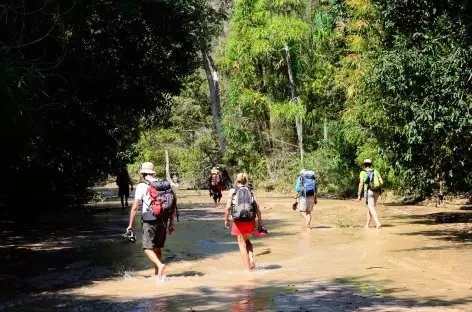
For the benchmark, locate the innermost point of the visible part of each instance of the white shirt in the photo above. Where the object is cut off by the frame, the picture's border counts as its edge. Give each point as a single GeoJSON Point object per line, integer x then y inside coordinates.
{"type": "Point", "coordinates": [142, 195]}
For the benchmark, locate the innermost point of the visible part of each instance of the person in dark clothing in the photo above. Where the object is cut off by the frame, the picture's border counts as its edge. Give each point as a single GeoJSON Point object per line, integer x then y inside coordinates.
{"type": "Point", "coordinates": [216, 185]}
{"type": "Point", "coordinates": [124, 182]}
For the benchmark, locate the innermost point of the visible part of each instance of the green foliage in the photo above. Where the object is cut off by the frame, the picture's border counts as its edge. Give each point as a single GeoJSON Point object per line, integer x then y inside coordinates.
{"type": "Point", "coordinates": [190, 140]}
{"type": "Point", "coordinates": [385, 80]}
{"type": "Point", "coordinates": [417, 93]}
{"type": "Point", "coordinates": [76, 80]}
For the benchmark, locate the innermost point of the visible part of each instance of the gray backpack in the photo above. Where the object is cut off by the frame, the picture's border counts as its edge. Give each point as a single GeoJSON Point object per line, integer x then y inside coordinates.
{"type": "Point", "coordinates": [243, 206]}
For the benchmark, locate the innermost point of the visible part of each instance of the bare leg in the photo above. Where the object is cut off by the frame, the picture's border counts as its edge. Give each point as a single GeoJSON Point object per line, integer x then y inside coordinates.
{"type": "Point", "coordinates": [244, 251]}
{"type": "Point", "coordinates": [252, 264]}
{"type": "Point", "coordinates": [371, 203]}
{"type": "Point", "coordinates": [308, 219]}
{"type": "Point", "coordinates": [215, 197]}
{"type": "Point", "coordinates": [306, 216]}
{"type": "Point", "coordinates": [160, 271]}
{"type": "Point", "coordinates": [374, 215]}
{"type": "Point", "coordinates": [155, 256]}
{"type": "Point", "coordinates": [369, 217]}
{"type": "Point", "coordinates": [303, 214]}
{"type": "Point", "coordinates": [122, 203]}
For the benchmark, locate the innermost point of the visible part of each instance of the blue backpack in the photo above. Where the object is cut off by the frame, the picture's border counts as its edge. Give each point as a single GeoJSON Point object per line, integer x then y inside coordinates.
{"type": "Point", "coordinates": [308, 183]}
{"type": "Point", "coordinates": [372, 180]}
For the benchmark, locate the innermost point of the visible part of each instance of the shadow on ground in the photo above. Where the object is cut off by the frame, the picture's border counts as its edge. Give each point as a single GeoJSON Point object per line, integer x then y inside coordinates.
{"type": "Point", "coordinates": [307, 296]}
{"type": "Point", "coordinates": [459, 227]}
{"type": "Point", "coordinates": [72, 250]}
{"type": "Point", "coordinates": [438, 218]}
{"type": "Point", "coordinates": [463, 235]}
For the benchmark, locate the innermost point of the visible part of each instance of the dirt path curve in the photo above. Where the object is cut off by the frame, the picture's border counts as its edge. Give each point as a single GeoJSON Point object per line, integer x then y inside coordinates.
{"type": "Point", "coordinates": [419, 261]}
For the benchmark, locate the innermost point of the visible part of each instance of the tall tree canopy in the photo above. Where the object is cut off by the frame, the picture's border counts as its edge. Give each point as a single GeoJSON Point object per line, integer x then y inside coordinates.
{"type": "Point", "coordinates": [338, 81]}
{"type": "Point", "coordinates": [77, 79]}
{"type": "Point", "coordinates": [418, 92]}
{"type": "Point", "coordinates": [319, 84]}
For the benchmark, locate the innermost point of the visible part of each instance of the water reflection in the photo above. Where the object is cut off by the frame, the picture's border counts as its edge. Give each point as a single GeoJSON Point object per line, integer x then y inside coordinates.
{"type": "Point", "coordinates": [250, 298]}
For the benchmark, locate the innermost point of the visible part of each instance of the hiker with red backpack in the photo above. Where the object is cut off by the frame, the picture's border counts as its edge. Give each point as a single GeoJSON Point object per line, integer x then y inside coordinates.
{"type": "Point", "coordinates": [243, 209]}
{"type": "Point", "coordinates": [216, 185]}
{"type": "Point", "coordinates": [371, 182]}
{"type": "Point", "coordinates": [159, 208]}
{"type": "Point", "coordinates": [307, 189]}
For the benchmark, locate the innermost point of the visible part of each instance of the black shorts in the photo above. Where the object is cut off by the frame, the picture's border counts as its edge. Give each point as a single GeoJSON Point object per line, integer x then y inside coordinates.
{"type": "Point", "coordinates": [215, 190]}
{"type": "Point", "coordinates": [155, 233]}
{"type": "Point", "coordinates": [123, 191]}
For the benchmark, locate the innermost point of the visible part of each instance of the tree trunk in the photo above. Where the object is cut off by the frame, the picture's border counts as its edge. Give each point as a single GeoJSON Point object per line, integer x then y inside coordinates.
{"type": "Point", "coordinates": [270, 172]}
{"type": "Point", "coordinates": [325, 130]}
{"type": "Point", "coordinates": [168, 177]}
{"type": "Point", "coordinates": [294, 100]}
{"type": "Point", "coordinates": [212, 77]}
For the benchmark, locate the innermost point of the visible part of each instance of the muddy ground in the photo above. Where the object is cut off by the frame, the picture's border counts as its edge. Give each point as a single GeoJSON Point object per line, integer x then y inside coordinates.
{"type": "Point", "coordinates": [419, 261]}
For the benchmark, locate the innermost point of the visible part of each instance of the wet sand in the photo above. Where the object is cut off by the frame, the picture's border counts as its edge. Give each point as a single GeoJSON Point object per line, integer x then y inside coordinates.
{"type": "Point", "coordinates": [419, 261]}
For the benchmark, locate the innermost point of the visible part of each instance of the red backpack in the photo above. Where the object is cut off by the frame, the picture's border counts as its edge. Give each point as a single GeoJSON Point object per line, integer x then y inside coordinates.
{"type": "Point", "coordinates": [163, 199]}
{"type": "Point", "coordinates": [217, 181]}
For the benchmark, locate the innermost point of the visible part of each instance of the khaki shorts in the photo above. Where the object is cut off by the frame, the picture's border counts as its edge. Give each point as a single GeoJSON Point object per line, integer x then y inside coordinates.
{"type": "Point", "coordinates": [306, 203]}
{"type": "Point", "coordinates": [371, 198]}
{"type": "Point", "coordinates": [154, 233]}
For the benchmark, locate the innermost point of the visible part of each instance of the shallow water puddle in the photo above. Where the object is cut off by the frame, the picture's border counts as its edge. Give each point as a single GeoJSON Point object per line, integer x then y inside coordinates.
{"type": "Point", "coordinates": [335, 266]}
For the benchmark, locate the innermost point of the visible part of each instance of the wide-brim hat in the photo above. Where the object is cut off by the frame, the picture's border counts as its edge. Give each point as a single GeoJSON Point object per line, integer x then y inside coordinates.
{"type": "Point", "coordinates": [367, 162]}
{"type": "Point", "coordinates": [148, 168]}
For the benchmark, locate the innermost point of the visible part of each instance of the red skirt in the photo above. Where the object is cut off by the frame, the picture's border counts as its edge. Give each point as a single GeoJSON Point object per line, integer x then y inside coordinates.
{"type": "Point", "coordinates": [243, 227]}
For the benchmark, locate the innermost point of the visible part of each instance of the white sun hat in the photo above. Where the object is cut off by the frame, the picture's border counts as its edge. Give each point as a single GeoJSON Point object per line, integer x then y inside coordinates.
{"type": "Point", "coordinates": [148, 168]}
{"type": "Point", "coordinates": [368, 161]}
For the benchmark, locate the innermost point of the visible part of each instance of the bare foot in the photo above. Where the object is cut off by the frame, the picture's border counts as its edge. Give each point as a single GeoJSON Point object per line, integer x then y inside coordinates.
{"type": "Point", "coordinates": [252, 265]}
{"type": "Point", "coordinates": [160, 272]}
{"type": "Point", "coordinates": [379, 227]}
{"type": "Point", "coordinates": [366, 226]}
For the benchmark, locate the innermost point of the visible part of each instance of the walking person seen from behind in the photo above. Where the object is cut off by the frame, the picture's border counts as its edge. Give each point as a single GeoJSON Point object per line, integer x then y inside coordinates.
{"type": "Point", "coordinates": [159, 206]}
{"type": "Point", "coordinates": [243, 209]}
{"type": "Point", "coordinates": [307, 189]}
{"type": "Point", "coordinates": [216, 185]}
{"type": "Point", "coordinates": [371, 182]}
{"type": "Point", "coordinates": [123, 181]}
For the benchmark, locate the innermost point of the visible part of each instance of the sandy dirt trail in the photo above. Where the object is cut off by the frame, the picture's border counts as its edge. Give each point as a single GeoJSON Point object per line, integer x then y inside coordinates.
{"type": "Point", "coordinates": [419, 261]}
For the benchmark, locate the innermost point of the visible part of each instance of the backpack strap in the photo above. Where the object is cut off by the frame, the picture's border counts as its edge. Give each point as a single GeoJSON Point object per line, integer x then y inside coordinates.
{"type": "Point", "coordinates": [302, 185]}
{"type": "Point", "coordinates": [176, 210]}
{"type": "Point", "coordinates": [148, 183]}
{"type": "Point", "coordinates": [236, 189]}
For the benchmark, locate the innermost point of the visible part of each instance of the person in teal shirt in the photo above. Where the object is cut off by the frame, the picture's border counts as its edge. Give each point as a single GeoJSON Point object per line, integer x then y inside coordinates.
{"type": "Point", "coordinates": [306, 195]}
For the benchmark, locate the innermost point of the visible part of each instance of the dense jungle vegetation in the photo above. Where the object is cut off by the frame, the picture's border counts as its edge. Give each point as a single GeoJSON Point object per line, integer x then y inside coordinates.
{"type": "Point", "coordinates": [326, 84]}
{"type": "Point", "coordinates": [262, 86]}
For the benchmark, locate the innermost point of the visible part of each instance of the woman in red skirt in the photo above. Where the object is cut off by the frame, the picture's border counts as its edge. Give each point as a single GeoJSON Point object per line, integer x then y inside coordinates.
{"type": "Point", "coordinates": [242, 197]}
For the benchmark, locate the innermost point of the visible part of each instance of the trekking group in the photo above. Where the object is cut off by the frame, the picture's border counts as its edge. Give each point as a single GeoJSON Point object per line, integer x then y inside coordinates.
{"type": "Point", "coordinates": [158, 203]}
